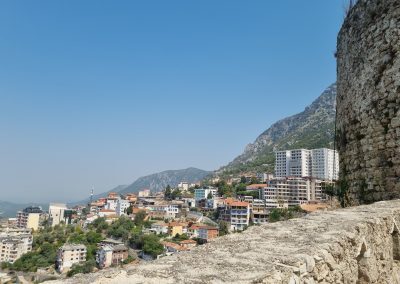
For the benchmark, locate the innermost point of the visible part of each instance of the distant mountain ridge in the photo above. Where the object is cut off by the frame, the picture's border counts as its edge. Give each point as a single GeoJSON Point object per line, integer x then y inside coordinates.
{"type": "Point", "coordinates": [312, 128]}
{"type": "Point", "coordinates": [156, 182]}
{"type": "Point", "coordinates": [159, 181]}
{"type": "Point", "coordinates": [9, 209]}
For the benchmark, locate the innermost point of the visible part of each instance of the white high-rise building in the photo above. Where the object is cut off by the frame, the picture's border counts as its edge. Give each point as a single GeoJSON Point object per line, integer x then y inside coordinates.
{"type": "Point", "coordinates": [317, 163]}
{"type": "Point", "coordinates": [293, 163]}
{"type": "Point", "coordinates": [325, 164]}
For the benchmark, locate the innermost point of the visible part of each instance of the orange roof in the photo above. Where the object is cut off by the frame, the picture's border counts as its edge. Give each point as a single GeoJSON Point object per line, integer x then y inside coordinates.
{"type": "Point", "coordinates": [208, 228]}
{"type": "Point", "coordinates": [194, 227]}
{"type": "Point", "coordinates": [174, 246]}
{"type": "Point", "coordinates": [106, 210]}
{"type": "Point", "coordinates": [233, 202]}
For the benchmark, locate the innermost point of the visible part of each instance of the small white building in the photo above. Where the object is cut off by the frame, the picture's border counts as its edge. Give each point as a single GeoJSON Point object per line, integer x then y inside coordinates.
{"type": "Point", "coordinates": [159, 228]}
{"type": "Point", "coordinates": [56, 213]}
{"type": "Point", "coordinates": [144, 193]}
{"type": "Point", "coordinates": [122, 206]}
{"type": "Point", "coordinates": [203, 193]}
{"type": "Point", "coordinates": [183, 186]}
{"type": "Point", "coordinates": [70, 254]}
{"type": "Point", "coordinates": [104, 256]}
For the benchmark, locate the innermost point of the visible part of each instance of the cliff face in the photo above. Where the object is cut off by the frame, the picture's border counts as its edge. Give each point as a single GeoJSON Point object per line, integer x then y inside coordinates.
{"type": "Point", "coordinates": [353, 245]}
{"type": "Point", "coordinates": [312, 128]}
{"type": "Point", "coordinates": [368, 102]}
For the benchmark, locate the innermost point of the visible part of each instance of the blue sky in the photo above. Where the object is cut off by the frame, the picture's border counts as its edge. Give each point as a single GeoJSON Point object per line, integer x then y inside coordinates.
{"type": "Point", "coordinates": [98, 93]}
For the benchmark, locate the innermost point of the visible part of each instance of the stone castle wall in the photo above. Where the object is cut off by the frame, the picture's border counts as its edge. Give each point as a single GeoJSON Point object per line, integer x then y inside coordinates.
{"type": "Point", "coordinates": [368, 102]}
{"type": "Point", "coordinates": [352, 245]}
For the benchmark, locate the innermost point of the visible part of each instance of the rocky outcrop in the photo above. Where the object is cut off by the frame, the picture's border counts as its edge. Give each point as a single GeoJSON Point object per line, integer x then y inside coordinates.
{"type": "Point", "coordinates": [368, 102]}
{"type": "Point", "coordinates": [312, 128]}
{"type": "Point", "coordinates": [353, 245]}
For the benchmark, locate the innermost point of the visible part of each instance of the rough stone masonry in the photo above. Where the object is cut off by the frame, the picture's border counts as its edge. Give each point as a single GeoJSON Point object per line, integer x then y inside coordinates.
{"type": "Point", "coordinates": [368, 102]}
{"type": "Point", "coordinates": [352, 245]}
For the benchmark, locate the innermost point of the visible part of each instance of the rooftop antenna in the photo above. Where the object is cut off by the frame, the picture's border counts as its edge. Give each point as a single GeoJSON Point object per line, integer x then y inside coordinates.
{"type": "Point", "coordinates": [91, 195]}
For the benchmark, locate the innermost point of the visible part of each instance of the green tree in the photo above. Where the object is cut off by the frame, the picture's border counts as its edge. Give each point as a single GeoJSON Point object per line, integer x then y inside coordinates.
{"type": "Point", "coordinates": [176, 194]}
{"type": "Point", "coordinates": [86, 267]}
{"type": "Point", "coordinates": [167, 192]}
{"type": "Point", "coordinates": [139, 218]}
{"type": "Point", "coordinates": [254, 180]}
{"type": "Point", "coordinates": [152, 245]}
{"type": "Point", "coordinates": [129, 210]}
{"type": "Point", "coordinates": [223, 228]}
{"type": "Point", "coordinates": [275, 215]}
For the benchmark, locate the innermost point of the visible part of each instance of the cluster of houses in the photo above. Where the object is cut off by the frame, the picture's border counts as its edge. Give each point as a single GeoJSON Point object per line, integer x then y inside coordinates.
{"type": "Point", "coordinates": [110, 253]}
{"type": "Point", "coordinates": [301, 179]}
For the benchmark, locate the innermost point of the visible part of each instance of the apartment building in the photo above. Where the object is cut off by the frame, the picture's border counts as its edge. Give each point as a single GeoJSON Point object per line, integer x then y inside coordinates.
{"type": "Point", "coordinates": [203, 193]}
{"type": "Point", "coordinates": [236, 213]}
{"type": "Point", "coordinates": [29, 218]}
{"type": "Point", "coordinates": [58, 212]}
{"type": "Point", "coordinates": [109, 255]}
{"type": "Point", "coordinates": [325, 164]}
{"type": "Point", "coordinates": [14, 243]}
{"type": "Point", "coordinates": [259, 211]}
{"type": "Point", "coordinates": [207, 233]}
{"type": "Point", "coordinates": [169, 211]}
{"type": "Point", "coordinates": [70, 254]}
{"type": "Point", "coordinates": [295, 163]}
{"type": "Point", "coordinates": [320, 163]}
{"type": "Point", "coordinates": [292, 191]}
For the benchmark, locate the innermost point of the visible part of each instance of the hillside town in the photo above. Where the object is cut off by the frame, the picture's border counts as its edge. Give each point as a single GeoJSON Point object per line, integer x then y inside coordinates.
{"type": "Point", "coordinates": [114, 230]}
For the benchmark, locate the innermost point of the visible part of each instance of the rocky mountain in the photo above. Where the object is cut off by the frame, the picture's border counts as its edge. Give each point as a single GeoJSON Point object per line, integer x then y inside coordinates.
{"type": "Point", "coordinates": [156, 182]}
{"type": "Point", "coordinates": [312, 128]}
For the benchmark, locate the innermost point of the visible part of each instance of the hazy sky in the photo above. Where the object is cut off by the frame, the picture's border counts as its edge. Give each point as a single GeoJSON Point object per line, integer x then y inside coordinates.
{"type": "Point", "coordinates": [98, 93]}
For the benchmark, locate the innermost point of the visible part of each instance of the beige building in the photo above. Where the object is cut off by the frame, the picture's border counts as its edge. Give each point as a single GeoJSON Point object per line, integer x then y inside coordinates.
{"type": "Point", "coordinates": [29, 218]}
{"type": "Point", "coordinates": [56, 212]}
{"type": "Point", "coordinates": [294, 191]}
{"type": "Point", "coordinates": [70, 254]}
{"type": "Point", "coordinates": [14, 243]}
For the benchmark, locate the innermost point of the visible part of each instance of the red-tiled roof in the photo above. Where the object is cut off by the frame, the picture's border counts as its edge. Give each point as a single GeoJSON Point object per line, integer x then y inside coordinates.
{"type": "Point", "coordinates": [106, 210]}
{"type": "Point", "coordinates": [233, 202]}
{"type": "Point", "coordinates": [174, 246]}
